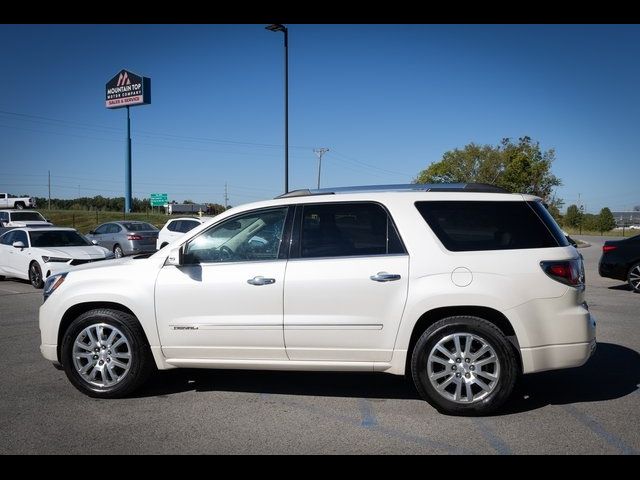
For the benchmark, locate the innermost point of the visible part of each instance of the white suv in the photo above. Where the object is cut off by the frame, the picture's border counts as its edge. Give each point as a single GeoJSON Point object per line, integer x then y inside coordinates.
{"type": "Point", "coordinates": [457, 285]}
{"type": "Point", "coordinates": [176, 228]}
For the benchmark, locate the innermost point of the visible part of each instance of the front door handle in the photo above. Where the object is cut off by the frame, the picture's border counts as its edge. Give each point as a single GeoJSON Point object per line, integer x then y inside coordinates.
{"type": "Point", "coordinates": [385, 277]}
{"type": "Point", "coordinates": [261, 281]}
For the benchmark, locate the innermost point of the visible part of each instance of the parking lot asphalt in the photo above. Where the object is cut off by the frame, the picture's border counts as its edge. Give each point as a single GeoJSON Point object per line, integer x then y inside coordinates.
{"type": "Point", "coordinates": [592, 409]}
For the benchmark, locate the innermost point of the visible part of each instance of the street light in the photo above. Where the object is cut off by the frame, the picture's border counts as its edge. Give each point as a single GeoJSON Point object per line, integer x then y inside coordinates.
{"type": "Point", "coordinates": [281, 28]}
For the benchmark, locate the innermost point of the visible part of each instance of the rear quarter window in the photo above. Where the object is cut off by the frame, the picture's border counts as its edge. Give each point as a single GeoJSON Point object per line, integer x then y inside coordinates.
{"type": "Point", "coordinates": [464, 226]}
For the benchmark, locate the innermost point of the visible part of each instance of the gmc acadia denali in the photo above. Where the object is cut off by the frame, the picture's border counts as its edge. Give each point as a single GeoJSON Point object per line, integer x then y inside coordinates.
{"type": "Point", "coordinates": [462, 287]}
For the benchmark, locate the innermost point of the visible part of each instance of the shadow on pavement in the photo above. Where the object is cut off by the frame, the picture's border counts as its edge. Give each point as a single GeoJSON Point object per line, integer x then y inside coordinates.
{"type": "Point", "coordinates": [624, 287]}
{"type": "Point", "coordinates": [613, 372]}
{"type": "Point", "coordinates": [323, 384]}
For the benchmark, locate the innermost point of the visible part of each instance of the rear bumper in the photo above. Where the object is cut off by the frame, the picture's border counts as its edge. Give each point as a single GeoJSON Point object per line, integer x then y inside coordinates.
{"type": "Point", "coordinates": [136, 249]}
{"type": "Point", "coordinates": [616, 271]}
{"type": "Point", "coordinates": [554, 357]}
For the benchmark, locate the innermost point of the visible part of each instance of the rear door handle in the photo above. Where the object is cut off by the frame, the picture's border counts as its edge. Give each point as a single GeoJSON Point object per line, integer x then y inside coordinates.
{"type": "Point", "coordinates": [385, 277]}
{"type": "Point", "coordinates": [261, 281]}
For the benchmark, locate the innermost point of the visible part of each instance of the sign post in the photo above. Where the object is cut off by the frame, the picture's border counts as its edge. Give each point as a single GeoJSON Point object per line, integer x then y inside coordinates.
{"type": "Point", "coordinates": [127, 89]}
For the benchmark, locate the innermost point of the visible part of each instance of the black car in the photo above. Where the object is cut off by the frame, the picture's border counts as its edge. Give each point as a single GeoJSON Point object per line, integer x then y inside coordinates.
{"type": "Point", "coordinates": [621, 260]}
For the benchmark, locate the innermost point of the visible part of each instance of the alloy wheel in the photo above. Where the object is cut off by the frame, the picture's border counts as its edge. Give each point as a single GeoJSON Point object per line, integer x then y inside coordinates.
{"type": "Point", "coordinates": [102, 355]}
{"type": "Point", "coordinates": [634, 278]}
{"type": "Point", "coordinates": [463, 368]}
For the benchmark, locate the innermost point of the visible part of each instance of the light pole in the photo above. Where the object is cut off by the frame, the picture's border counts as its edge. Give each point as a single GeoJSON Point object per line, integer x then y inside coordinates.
{"type": "Point", "coordinates": [281, 28]}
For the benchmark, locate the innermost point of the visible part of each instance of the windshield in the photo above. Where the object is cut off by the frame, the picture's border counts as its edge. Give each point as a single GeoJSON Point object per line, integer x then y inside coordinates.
{"type": "Point", "coordinates": [139, 227]}
{"type": "Point", "coordinates": [26, 217]}
{"type": "Point", "coordinates": [58, 238]}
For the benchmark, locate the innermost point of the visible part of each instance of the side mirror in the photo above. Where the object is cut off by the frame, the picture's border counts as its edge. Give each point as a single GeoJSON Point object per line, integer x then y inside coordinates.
{"type": "Point", "coordinates": [175, 258]}
{"type": "Point", "coordinates": [19, 245]}
{"type": "Point", "coordinates": [92, 232]}
{"type": "Point", "coordinates": [95, 242]}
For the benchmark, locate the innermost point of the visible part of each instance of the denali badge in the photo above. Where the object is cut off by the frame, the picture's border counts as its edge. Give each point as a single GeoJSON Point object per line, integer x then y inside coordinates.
{"type": "Point", "coordinates": [186, 327]}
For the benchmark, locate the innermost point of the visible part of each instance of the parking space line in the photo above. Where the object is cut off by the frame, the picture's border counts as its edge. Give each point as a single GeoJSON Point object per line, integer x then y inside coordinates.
{"type": "Point", "coordinates": [366, 411]}
{"type": "Point", "coordinates": [600, 431]}
{"type": "Point", "coordinates": [389, 432]}
{"type": "Point", "coordinates": [490, 436]}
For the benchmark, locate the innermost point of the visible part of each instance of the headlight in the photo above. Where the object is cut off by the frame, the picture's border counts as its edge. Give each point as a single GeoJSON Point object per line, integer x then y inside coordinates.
{"type": "Point", "coordinates": [55, 259]}
{"type": "Point", "coordinates": [52, 283]}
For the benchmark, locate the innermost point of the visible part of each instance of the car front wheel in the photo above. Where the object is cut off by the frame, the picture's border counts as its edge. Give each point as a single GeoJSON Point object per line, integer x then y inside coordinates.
{"type": "Point", "coordinates": [464, 365]}
{"type": "Point", "coordinates": [105, 354]}
{"type": "Point", "coordinates": [634, 277]}
{"type": "Point", "coordinates": [35, 275]}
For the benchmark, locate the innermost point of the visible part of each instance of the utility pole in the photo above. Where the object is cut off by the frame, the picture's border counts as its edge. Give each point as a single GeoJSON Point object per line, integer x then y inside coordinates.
{"type": "Point", "coordinates": [226, 196]}
{"type": "Point", "coordinates": [320, 152]}
{"type": "Point", "coordinates": [49, 190]}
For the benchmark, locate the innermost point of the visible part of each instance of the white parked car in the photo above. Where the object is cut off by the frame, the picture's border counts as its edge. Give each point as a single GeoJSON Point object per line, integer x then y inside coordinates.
{"type": "Point", "coordinates": [458, 286]}
{"type": "Point", "coordinates": [176, 228]}
{"type": "Point", "coordinates": [37, 254]}
{"type": "Point", "coordinates": [21, 218]}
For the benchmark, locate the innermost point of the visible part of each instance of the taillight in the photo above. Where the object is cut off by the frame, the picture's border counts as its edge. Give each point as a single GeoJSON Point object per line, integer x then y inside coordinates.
{"type": "Point", "coordinates": [608, 248]}
{"type": "Point", "coordinates": [569, 272]}
{"type": "Point", "coordinates": [134, 237]}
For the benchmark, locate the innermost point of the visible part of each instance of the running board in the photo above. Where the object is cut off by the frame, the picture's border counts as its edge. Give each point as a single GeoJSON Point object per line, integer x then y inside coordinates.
{"type": "Point", "coordinates": [297, 365]}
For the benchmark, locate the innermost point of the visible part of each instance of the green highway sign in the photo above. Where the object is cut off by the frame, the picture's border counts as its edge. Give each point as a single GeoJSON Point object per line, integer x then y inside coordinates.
{"type": "Point", "coordinates": [159, 199]}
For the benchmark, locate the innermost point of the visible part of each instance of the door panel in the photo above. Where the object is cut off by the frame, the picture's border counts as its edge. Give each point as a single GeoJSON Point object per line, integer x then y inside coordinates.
{"type": "Point", "coordinates": [334, 311]}
{"type": "Point", "coordinates": [210, 311]}
{"type": "Point", "coordinates": [226, 302]}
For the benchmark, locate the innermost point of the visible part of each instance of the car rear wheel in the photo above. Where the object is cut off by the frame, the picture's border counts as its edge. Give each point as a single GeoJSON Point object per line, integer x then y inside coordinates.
{"type": "Point", "coordinates": [19, 206]}
{"type": "Point", "coordinates": [464, 365]}
{"type": "Point", "coordinates": [634, 277]}
{"type": "Point", "coordinates": [35, 275]}
{"type": "Point", "coordinates": [117, 251]}
{"type": "Point", "coordinates": [105, 354]}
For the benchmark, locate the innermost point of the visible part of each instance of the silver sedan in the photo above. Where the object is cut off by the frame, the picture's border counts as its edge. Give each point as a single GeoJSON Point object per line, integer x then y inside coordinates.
{"type": "Point", "coordinates": [125, 237]}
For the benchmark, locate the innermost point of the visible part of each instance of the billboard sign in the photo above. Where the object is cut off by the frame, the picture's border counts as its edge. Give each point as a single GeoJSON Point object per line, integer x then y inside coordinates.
{"type": "Point", "coordinates": [127, 89]}
{"type": "Point", "coordinates": [159, 199]}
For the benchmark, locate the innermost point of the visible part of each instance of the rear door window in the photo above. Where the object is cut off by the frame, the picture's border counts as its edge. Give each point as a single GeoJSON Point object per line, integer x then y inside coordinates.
{"type": "Point", "coordinates": [348, 229]}
{"type": "Point", "coordinates": [187, 225]}
{"type": "Point", "coordinates": [464, 226]}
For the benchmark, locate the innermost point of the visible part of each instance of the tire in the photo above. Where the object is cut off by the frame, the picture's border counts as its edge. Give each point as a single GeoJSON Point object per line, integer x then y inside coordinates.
{"type": "Point", "coordinates": [116, 382]}
{"type": "Point", "coordinates": [633, 277]}
{"type": "Point", "coordinates": [19, 206]}
{"type": "Point", "coordinates": [500, 360]}
{"type": "Point", "coordinates": [118, 252]}
{"type": "Point", "coordinates": [35, 275]}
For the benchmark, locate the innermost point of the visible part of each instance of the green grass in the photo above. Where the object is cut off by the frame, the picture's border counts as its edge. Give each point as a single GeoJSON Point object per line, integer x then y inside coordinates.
{"type": "Point", "coordinates": [84, 221]}
{"type": "Point", "coordinates": [611, 233]}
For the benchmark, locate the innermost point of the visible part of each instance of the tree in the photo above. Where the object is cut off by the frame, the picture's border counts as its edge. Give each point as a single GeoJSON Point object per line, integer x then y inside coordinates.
{"type": "Point", "coordinates": [555, 213]}
{"type": "Point", "coordinates": [573, 218]}
{"type": "Point", "coordinates": [636, 208]}
{"type": "Point", "coordinates": [606, 221]}
{"type": "Point", "coordinates": [521, 167]}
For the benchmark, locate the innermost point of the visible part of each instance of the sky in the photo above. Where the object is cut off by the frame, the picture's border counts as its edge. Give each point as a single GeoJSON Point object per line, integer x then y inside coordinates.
{"type": "Point", "coordinates": [386, 100]}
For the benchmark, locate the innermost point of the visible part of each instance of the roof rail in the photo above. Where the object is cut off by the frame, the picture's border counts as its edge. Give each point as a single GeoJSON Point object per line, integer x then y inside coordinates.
{"type": "Point", "coordinates": [409, 187]}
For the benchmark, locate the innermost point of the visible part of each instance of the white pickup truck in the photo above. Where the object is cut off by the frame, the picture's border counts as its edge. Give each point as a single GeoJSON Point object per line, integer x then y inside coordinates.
{"type": "Point", "coordinates": [16, 202]}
